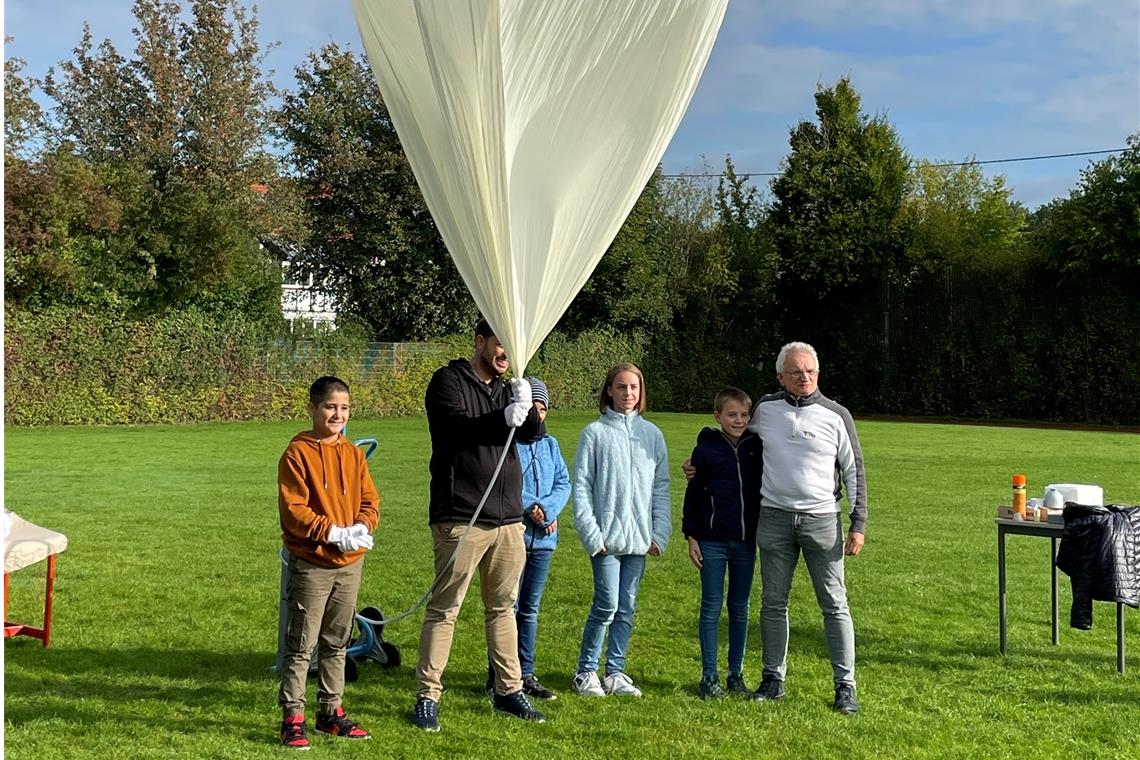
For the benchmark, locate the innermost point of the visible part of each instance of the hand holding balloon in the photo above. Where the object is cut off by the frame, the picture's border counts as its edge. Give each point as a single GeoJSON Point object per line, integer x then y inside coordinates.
{"type": "Point", "coordinates": [521, 391]}
{"type": "Point", "coordinates": [516, 412]}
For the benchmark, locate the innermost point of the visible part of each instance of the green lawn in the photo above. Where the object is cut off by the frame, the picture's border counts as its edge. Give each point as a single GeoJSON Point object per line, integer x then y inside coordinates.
{"type": "Point", "coordinates": [166, 608]}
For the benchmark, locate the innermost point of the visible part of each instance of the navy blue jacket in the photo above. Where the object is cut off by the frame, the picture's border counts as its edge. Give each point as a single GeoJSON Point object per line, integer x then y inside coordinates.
{"type": "Point", "coordinates": [722, 501]}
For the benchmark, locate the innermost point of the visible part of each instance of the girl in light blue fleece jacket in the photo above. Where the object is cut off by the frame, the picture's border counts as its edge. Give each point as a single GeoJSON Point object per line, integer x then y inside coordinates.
{"type": "Point", "coordinates": [621, 513]}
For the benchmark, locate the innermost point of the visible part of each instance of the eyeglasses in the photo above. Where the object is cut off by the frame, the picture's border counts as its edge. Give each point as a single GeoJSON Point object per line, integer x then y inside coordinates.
{"type": "Point", "coordinates": [803, 373]}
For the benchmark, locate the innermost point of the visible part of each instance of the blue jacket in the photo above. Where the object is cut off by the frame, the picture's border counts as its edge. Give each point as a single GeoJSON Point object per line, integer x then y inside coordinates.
{"type": "Point", "coordinates": [722, 501]}
{"type": "Point", "coordinates": [545, 482]}
{"type": "Point", "coordinates": [621, 486]}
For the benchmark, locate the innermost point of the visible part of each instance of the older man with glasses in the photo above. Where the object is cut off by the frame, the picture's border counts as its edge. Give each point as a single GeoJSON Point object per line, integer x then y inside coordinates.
{"type": "Point", "coordinates": [811, 453]}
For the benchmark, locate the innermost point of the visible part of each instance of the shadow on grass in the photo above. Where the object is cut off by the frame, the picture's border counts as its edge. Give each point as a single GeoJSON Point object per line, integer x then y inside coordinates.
{"type": "Point", "coordinates": [938, 655]}
{"type": "Point", "coordinates": [1079, 695]}
{"type": "Point", "coordinates": [84, 686]}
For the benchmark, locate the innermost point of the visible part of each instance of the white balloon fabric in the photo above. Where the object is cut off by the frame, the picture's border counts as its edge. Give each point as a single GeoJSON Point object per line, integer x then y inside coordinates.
{"type": "Point", "coordinates": [532, 127]}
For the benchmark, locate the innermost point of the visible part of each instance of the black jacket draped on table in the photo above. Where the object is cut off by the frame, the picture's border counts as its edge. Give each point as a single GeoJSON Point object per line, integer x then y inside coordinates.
{"type": "Point", "coordinates": [1100, 552]}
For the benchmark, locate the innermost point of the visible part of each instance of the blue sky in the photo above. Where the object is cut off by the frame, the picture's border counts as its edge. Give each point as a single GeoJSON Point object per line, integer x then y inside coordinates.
{"type": "Point", "coordinates": [985, 79]}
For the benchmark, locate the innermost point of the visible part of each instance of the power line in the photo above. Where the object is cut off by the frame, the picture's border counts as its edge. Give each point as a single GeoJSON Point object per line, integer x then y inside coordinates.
{"type": "Point", "coordinates": [747, 175]}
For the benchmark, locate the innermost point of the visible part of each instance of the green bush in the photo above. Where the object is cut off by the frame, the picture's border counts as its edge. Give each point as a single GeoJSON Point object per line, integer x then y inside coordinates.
{"type": "Point", "coordinates": [574, 367]}
{"type": "Point", "coordinates": [74, 367]}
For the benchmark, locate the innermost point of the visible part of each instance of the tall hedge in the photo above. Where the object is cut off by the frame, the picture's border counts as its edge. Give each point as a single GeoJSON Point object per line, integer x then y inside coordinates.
{"type": "Point", "coordinates": [71, 367]}
{"type": "Point", "coordinates": [947, 344]}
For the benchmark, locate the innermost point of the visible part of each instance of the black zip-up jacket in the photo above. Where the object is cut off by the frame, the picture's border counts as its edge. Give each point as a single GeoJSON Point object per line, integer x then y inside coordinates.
{"type": "Point", "coordinates": [722, 501]}
{"type": "Point", "coordinates": [468, 432]}
{"type": "Point", "coordinates": [1100, 552]}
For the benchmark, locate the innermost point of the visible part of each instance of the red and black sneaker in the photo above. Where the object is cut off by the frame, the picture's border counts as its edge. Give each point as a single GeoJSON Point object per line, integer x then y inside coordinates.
{"type": "Point", "coordinates": [293, 733]}
{"type": "Point", "coordinates": [337, 724]}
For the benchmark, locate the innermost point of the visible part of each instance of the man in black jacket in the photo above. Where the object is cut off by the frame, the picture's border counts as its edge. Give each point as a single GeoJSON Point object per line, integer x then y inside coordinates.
{"type": "Point", "coordinates": [470, 413]}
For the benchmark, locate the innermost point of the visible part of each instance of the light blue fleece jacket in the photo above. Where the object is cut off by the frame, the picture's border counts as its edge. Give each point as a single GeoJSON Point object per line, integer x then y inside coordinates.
{"type": "Point", "coordinates": [545, 483]}
{"type": "Point", "coordinates": [621, 486]}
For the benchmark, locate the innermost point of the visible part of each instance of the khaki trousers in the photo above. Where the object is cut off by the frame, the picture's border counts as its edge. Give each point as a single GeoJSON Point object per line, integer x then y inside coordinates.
{"type": "Point", "coordinates": [320, 607]}
{"type": "Point", "coordinates": [498, 554]}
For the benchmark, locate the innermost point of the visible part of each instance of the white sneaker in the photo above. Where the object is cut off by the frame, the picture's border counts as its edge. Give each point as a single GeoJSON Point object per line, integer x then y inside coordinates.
{"type": "Point", "coordinates": [621, 685]}
{"type": "Point", "coordinates": [588, 685]}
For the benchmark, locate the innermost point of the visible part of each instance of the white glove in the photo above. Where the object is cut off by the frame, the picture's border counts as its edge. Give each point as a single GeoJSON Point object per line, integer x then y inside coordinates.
{"type": "Point", "coordinates": [363, 538]}
{"type": "Point", "coordinates": [516, 412]}
{"type": "Point", "coordinates": [341, 538]}
{"type": "Point", "coordinates": [520, 391]}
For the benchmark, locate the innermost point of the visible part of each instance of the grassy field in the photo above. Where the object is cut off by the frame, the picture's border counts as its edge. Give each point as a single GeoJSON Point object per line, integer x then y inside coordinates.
{"type": "Point", "coordinates": [166, 608]}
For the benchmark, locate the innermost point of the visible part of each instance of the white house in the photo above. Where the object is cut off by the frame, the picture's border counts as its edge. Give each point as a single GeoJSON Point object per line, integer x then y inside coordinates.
{"type": "Point", "coordinates": [302, 303]}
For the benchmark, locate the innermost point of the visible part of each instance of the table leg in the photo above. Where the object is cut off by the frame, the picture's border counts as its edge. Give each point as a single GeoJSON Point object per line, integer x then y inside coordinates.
{"type": "Point", "coordinates": [49, 594]}
{"type": "Point", "coordinates": [1119, 638]}
{"type": "Point", "coordinates": [1001, 589]}
{"type": "Point", "coordinates": [1053, 568]}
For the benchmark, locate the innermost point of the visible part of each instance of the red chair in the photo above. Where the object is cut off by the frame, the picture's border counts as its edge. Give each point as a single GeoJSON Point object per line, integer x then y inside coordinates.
{"type": "Point", "coordinates": [26, 544]}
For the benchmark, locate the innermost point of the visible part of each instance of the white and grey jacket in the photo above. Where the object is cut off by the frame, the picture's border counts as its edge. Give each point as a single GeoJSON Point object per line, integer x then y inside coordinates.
{"type": "Point", "coordinates": [811, 454]}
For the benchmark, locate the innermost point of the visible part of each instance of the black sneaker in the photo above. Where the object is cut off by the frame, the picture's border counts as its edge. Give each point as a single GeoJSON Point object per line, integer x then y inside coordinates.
{"type": "Point", "coordinates": [426, 714]}
{"type": "Point", "coordinates": [770, 688]}
{"type": "Point", "coordinates": [532, 688]}
{"type": "Point", "coordinates": [709, 688]}
{"type": "Point", "coordinates": [518, 705]}
{"type": "Point", "coordinates": [489, 687]}
{"type": "Point", "coordinates": [735, 684]}
{"type": "Point", "coordinates": [338, 724]}
{"type": "Point", "coordinates": [845, 699]}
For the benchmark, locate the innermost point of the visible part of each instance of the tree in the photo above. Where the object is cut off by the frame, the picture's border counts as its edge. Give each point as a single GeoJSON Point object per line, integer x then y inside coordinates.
{"type": "Point", "coordinates": [954, 215]}
{"type": "Point", "coordinates": [23, 117]}
{"type": "Point", "coordinates": [179, 133]}
{"type": "Point", "coordinates": [731, 272]}
{"type": "Point", "coordinates": [1096, 230]}
{"type": "Point", "coordinates": [835, 213]}
{"type": "Point", "coordinates": [371, 240]}
{"type": "Point", "coordinates": [59, 221]}
{"type": "Point", "coordinates": [192, 103]}
{"type": "Point", "coordinates": [630, 289]}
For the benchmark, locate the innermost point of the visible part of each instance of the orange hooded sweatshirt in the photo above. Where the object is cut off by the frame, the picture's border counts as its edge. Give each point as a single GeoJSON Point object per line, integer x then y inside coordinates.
{"type": "Point", "coordinates": [321, 485]}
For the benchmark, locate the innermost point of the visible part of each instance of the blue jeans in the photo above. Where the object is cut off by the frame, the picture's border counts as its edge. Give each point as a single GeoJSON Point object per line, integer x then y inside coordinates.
{"type": "Point", "coordinates": [616, 580]}
{"type": "Point", "coordinates": [782, 537]}
{"type": "Point", "coordinates": [738, 558]}
{"type": "Point", "coordinates": [531, 586]}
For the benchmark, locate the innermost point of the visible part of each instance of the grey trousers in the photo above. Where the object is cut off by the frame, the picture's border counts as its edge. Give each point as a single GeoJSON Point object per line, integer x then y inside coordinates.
{"type": "Point", "coordinates": [320, 604]}
{"type": "Point", "coordinates": [781, 536]}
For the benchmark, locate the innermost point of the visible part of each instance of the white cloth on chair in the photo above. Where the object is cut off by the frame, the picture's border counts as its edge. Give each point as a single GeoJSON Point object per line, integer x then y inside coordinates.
{"type": "Point", "coordinates": [27, 543]}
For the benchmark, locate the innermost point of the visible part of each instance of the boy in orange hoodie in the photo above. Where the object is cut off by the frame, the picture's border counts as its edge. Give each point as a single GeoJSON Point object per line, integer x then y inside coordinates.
{"type": "Point", "coordinates": [329, 509]}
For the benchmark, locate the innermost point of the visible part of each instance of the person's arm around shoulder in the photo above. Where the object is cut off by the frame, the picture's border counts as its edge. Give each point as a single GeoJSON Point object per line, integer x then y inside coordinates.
{"type": "Point", "coordinates": [585, 521]}
{"type": "Point", "coordinates": [662, 509]}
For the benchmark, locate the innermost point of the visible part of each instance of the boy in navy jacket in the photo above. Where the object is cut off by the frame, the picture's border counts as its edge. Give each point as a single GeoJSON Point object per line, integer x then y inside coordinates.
{"type": "Point", "coordinates": [722, 505]}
